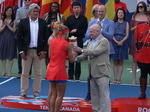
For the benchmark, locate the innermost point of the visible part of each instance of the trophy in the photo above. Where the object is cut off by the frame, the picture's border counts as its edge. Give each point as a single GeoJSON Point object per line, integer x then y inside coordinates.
{"type": "Point", "coordinates": [73, 40]}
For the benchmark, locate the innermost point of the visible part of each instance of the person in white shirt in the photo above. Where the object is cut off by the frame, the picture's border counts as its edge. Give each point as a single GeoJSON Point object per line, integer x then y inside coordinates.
{"type": "Point", "coordinates": [32, 39]}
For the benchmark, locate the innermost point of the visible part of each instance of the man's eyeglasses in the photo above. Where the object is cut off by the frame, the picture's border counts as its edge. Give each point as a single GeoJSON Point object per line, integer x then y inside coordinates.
{"type": "Point", "coordinates": [141, 7]}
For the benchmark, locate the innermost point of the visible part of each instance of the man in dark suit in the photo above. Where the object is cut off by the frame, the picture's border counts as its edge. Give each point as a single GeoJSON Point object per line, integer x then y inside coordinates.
{"type": "Point", "coordinates": [32, 36]}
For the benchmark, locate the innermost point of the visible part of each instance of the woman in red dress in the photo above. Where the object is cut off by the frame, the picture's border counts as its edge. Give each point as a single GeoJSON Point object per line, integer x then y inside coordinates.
{"type": "Point", "coordinates": [56, 69]}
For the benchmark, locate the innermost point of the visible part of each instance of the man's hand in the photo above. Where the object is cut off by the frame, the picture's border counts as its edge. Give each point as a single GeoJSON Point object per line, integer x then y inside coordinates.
{"type": "Point", "coordinates": [73, 31]}
{"type": "Point", "coordinates": [41, 55]}
{"type": "Point", "coordinates": [23, 56]}
{"type": "Point", "coordinates": [77, 49]}
{"type": "Point", "coordinates": [75, 54]}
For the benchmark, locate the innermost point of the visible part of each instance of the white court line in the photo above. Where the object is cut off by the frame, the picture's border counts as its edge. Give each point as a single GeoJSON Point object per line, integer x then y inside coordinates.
{"type": "Point", "coordinates": [7, 80]}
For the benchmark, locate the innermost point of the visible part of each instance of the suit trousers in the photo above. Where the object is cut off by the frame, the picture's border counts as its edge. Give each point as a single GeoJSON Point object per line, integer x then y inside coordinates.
{"type": "Point", "coordinates": [20, 65]}
{"type": "Point", "coordinates": [100, 94]}
{"type": "Point", "coordinates": [32, 58]}
{"type": "Point", "coordinates": [74, 72]}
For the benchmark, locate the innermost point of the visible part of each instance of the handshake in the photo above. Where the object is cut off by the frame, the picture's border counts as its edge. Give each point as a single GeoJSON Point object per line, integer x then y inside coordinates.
{"type": "Point", "coordinates": [77, 49]}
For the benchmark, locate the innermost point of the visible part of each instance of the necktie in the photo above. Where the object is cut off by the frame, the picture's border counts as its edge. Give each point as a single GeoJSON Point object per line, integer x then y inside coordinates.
{"type": "Point", "coordinates": [99, 23]}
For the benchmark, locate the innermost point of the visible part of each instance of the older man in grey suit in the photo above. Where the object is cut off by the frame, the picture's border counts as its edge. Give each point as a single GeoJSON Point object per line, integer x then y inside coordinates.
{"type": "Point", "coordinates": [97, 53]}
{"type": "Point", "coordinates": [22, 12]}
{"type": "Point", "coordinates": [107, 31]}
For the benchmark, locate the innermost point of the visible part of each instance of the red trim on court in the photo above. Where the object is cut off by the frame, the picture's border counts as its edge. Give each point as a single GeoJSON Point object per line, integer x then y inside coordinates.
{"type": "Point", "coordinates": [74, 104]}
{"type": "Point", "coordinates": [132, 104]}
{"type": "Point", "coordinates": [70, 104]}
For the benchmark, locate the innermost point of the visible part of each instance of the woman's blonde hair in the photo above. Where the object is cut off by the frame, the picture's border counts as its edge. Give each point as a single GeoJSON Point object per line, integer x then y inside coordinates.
{"type": "Point", "coordinates": [63, 27]}
{"type": "Point", "coordinates": [94, 7]}
{"type": "Point", "coordinates": [55, 24]}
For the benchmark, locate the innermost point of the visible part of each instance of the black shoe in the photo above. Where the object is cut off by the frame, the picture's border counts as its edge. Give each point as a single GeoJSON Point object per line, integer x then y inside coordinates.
{"type": "Point", "coordinates": [19, 76]}
{"type": "Point", "coordinates": [23, 95]}
{"type": "Point", "coordinates": [88, 98]}
{"type": "Point", "coordinates": [37, 96]}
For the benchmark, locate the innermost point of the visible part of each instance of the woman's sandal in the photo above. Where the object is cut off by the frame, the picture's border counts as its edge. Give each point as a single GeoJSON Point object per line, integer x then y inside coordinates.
{"type": "Point", "coordinates": [118, 82]}
{"type": "Point", "coordinates": [114, 82]}
{"type": "Point", "coordinates": [133, 83]}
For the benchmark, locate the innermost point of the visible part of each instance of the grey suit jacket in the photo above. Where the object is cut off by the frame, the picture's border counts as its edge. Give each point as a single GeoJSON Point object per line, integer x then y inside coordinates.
{"type": "Point", "coordinates": [21, 14]}
{"type": "Point", "coordinates": [98, 58]}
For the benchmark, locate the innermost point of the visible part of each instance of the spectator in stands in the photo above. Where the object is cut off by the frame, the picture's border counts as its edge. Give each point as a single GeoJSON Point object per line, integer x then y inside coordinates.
{"type": "Point", "coordinates": [39, 2]}
{"type": "Point", "coordinates": [120, 43]}
{"type": "Point", "coordinates": [12, 3]}
{"type": "Point", "coordinates": [22, 12]}
{"type": "Point", "coordinates": [15, 6]}
{"type": "Point", "coordinates": [77, 24]}
{"type": "Point", "coordinates": [95, 12]}
{"type": "Point", "coordinates": [119, 4]}
{"type": "Point", "coordinates": [9, 3]}
{"type": "Point", "coordinates": [7, 40]}
{"type": "Point", "coordinates": [71, 10]}
{"type": "Point", "coordinates": [142, 34]}
{"type": "Point", "coordinates": [52, 16]}
{"type": "Point", "coordinates": [138, 17]}
{"type": "Point", "coordinates": [94, 16]}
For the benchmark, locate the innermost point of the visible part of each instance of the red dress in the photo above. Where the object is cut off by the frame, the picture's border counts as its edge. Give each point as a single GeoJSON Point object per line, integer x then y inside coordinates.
{"type": "Point", "coordinates": [56, 69]}
{"type": "Point", "coordinates": [143, 55]}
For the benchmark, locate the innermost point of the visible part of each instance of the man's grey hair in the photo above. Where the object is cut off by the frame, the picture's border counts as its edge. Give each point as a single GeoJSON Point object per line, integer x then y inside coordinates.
{"type": "Point", "coordinates": [32, 6]}
{"type": "Point", "coordinates": [96, 27]}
